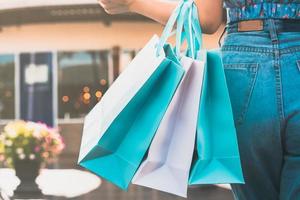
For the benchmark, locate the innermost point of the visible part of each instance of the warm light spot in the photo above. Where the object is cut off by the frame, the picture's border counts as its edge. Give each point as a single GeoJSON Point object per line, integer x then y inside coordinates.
{"type": "Point", "coordinates": [98, 94]}
{"type": "Point", "coordinates": [86, 89]}
{"type": "Point", "coordinates": [86, 96]}
{"type": "Point", "coordinates": [103, 82]}
{"type": "Point", "coordinates": [65, 99]}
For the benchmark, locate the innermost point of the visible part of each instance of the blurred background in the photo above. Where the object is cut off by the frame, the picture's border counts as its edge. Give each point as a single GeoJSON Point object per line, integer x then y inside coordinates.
{"type": "Point", "coordinates": [72, 51]}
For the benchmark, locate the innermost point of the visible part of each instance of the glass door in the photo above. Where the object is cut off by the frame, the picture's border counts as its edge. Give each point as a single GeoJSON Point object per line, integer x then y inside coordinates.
{"type": "Point", "coordinates": [36, 87]}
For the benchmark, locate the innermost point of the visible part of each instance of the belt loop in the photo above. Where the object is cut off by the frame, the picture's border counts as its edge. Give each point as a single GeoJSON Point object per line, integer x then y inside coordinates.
{"type": "Point", "coordinates": [224, 30]}
{"type": "Point", "coordinates": [272, 30]}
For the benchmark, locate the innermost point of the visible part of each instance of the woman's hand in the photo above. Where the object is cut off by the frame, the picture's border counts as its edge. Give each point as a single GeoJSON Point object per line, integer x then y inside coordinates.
{"type": "Point", "coordinates": [116, 6]}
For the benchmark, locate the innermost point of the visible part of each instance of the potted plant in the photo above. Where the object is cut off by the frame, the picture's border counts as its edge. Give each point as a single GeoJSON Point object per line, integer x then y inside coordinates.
{"type": "Point", "coordinates": [27, 146]}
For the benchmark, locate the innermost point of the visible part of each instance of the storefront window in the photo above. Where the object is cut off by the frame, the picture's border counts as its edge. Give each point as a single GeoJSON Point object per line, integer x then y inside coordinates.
{"type": "Point", "coordinates": [7, 87]}
{"type": "Point", "coordinates": [125, 58]}
{"type": "Point", "coordinates": [82, 81]}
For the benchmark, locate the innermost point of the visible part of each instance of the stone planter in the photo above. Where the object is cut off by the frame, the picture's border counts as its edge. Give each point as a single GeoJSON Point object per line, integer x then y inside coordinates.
{"type": "Point", "coordinates": [27, 171]}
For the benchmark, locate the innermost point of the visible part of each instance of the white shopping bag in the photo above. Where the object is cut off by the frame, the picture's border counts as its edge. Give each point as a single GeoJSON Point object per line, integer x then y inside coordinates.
{"type": "Point", "coordinates": [128, 83]}
{"type": "Point", "coordinates": [168, 163]}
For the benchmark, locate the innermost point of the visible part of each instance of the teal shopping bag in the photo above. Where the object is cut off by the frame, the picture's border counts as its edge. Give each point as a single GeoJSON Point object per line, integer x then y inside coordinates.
{"type": "Point", "coordinates": [217, 153]}
{"type": "Point", "coordinates": [119, 129]}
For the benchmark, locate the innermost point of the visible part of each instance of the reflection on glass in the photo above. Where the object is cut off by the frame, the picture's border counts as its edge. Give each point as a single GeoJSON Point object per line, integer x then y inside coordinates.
{"type": "Point", "coordinates": [7, 87]}
{"type": "Point", "coordinates": [82, 80]}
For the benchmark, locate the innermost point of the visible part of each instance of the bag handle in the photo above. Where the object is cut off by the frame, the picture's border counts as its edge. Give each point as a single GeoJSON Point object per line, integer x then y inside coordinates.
{"type": "Point", "coordinates": [170, 24]}
{"type": "Point", "coordinates": [182, 24]}
{"type": "Point", "coordinates": [196, 26]}
{"type": "Point", "coordinates": [192, 31]}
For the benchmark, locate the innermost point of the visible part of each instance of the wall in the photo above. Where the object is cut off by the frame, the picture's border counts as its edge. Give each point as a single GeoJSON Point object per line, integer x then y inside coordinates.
{"type": "Point", "coordinates": [80, 36]}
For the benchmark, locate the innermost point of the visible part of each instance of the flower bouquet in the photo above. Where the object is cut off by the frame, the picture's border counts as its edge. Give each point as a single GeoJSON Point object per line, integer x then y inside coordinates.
{"type": "Point", "coordinates": [21, 140]}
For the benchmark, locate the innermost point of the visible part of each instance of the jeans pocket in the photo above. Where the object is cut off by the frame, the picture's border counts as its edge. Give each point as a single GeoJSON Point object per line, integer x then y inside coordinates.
{"type": "Point", "coordinates": [240, 78]}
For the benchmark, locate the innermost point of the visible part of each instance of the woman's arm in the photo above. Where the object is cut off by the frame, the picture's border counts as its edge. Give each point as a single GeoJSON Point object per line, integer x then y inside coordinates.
{"type": "Point", "coordinates": [210, 11]}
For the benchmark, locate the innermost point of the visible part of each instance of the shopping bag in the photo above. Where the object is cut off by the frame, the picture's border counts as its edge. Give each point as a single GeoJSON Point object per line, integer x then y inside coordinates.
{"type": "Point", "coordinates": [118, 130]}
{"type": "Point", "coordinates": [167, 165]}
{"type": "Point", "coordinates": [169, 158]}
{"type": "Point", "coordinates": [217, 158]}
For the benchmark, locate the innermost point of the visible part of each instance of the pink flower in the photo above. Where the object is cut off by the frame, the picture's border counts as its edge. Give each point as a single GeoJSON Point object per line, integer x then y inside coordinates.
{"type": "Point", "coordinates": [37, 149]}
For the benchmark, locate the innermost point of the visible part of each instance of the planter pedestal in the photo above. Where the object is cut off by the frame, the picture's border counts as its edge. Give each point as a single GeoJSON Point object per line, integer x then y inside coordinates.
{"type": "Point", "coordinates": [27, 171]}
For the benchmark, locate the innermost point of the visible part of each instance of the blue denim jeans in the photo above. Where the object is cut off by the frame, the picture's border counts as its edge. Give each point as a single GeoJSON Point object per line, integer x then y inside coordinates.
{"type": "Point", "coordinates": [262, 71]}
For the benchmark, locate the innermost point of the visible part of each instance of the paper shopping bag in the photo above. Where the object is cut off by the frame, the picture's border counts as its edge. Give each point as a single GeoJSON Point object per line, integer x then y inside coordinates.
{"type": "Point", "coordinates": [217, 159]}
{"type": "Point", "coordinates": [167, 165]}
{"type": "Point", "coordinates": [118, 131]}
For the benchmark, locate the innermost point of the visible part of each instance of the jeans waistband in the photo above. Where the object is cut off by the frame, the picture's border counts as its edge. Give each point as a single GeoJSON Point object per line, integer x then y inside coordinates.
{"type": "Point", "coordinates": [277, 25]}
